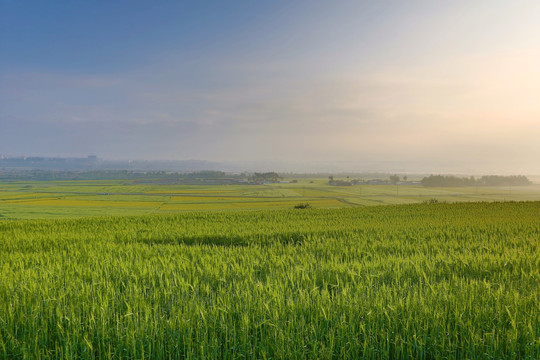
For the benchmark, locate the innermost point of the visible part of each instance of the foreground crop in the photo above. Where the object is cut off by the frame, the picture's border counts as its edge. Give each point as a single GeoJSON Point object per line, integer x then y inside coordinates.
{"type": "Point", "coordinates": [422, 281]}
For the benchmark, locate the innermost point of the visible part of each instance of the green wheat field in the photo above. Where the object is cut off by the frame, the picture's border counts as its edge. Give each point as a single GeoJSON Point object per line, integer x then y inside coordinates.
{"type": "Point", "coordinates": [416, 281]}
{"type": "Point", "coordinates": [84, 198]}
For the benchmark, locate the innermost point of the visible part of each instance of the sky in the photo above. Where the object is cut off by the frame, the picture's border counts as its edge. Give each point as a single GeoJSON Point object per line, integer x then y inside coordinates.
{"type": "Point", "coordinates": [435, 86]}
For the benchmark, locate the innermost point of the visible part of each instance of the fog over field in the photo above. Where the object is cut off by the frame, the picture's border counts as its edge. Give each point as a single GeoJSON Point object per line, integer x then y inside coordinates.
{"type": "Point", "coordinates": [313, 85]}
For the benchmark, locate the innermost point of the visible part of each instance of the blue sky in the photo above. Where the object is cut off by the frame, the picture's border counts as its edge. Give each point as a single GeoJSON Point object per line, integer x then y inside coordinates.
{"type": "Point", "coordinates": [416, 85]}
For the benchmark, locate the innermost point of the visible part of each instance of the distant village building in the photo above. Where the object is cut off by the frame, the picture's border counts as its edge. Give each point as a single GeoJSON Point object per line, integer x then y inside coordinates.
{"type": "Point", "coordinates": [377, 182]}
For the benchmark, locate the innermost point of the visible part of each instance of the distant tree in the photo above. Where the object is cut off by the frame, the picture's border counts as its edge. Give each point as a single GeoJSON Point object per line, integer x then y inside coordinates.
{"type": "Point", "coordinates": [394, 179]}
{"type": "Point", "coordinates": [267, 176]}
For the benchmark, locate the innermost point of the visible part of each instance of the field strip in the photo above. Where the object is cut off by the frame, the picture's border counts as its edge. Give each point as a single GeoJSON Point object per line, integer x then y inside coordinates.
{"type": "Point", "coordinates": [216, 195]}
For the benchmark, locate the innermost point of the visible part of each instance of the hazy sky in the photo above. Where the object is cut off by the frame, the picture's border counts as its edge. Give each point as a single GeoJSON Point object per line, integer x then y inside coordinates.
{"type": "Point", "coordinates": [412, 85]}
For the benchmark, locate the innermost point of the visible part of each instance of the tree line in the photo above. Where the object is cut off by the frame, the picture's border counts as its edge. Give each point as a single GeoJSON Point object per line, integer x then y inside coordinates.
{"type": "Point", "coordinates": [49, 175]}
{"type": "Point", "coordinates": [487, 180]}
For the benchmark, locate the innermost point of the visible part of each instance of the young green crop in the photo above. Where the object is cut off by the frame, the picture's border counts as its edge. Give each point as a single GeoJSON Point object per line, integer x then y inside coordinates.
{"type": "Point", "coordinates": [417, 281]}
{"type": "Point", "coordinates": [85, 198]}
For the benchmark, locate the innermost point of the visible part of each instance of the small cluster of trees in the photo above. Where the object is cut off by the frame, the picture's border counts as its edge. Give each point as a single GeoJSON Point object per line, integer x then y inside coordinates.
{"type": "Point", "coordinates": [394, 179]}
{"type": "Point", "coordinates": [494, 180]}
{"type": "Point", "coordinates": [332, 181]}
{"type": "Point", "coordinates": [488, 180]}
{"type": "Point", "coordinates": [265, 177]}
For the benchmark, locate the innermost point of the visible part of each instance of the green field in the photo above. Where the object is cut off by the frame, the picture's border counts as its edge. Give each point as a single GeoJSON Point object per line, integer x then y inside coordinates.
{"type": "Point", "coordinates": [438, 281]}
{"type": "Point", "coordinates": [82, 198]}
